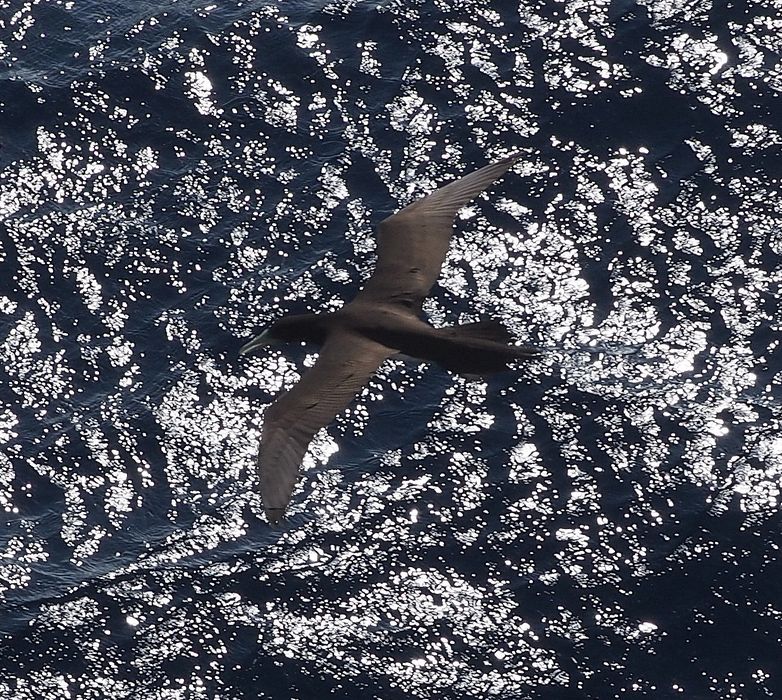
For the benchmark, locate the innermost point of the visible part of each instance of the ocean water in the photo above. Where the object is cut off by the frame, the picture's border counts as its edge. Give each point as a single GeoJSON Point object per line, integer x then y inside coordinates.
{"type": "Point", "coordinates": [174, 176]}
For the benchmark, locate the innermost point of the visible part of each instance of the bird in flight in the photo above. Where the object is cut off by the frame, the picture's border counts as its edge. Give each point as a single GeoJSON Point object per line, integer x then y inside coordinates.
{"type": "Point", "coordinates": [384, 319]}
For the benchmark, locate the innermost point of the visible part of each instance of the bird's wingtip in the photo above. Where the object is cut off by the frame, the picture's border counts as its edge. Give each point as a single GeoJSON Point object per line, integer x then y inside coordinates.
{"type": "Point", "coordinates": [274, 515]}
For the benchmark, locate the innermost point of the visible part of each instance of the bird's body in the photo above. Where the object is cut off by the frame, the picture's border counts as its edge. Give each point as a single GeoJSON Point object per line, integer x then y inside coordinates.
{"type": "Point", "coordinates": [399, 332]}
{"type": "Point", "coordinates": [383, 320]}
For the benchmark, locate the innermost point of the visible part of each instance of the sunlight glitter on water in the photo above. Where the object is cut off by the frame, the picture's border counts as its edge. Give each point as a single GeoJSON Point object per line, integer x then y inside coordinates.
{"type": "Point", "coordinates": [147, 231]}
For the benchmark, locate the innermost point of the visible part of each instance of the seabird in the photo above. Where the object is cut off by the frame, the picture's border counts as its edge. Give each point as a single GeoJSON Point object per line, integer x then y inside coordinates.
{"type": "Point", "coordinates": [384, 319]}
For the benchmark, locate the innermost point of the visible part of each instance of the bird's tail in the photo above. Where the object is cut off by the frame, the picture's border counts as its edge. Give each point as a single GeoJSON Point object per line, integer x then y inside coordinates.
{"type": "Point", "coordinates": [488, 329]}
{"type": "Point", "coordinates": [480, 348]}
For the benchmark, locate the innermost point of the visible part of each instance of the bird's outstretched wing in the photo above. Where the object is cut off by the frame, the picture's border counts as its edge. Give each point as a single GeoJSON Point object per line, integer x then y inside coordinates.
{"type": "Point", "coordinates": [413, 243]}
{"type": "Point", "coordinates": [345, 363]}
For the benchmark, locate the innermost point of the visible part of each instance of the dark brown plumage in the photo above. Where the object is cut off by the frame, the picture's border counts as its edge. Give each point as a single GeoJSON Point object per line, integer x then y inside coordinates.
{"type": "Point", "coordinates": [382, 321]}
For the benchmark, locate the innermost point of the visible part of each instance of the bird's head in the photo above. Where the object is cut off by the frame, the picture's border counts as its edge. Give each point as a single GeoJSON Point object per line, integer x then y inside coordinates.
{"type": "Point", "coordinates": [263, 339]}
{"type": "Point", "coordinates": [298, 328]}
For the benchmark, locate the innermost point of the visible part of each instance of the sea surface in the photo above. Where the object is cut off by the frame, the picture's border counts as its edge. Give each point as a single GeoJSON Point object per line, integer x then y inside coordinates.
{"type": "Point", "coordinates": [601, 523]}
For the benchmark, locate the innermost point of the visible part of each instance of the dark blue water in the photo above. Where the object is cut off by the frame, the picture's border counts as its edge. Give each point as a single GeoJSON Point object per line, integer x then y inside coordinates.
{"type": "Point", "coordinates": [174, 176]}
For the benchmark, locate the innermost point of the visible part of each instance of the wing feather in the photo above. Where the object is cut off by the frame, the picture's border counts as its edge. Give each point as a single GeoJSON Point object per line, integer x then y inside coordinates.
{"type": "Point", "coordinates": [413, 243]}
{"type": "Point", "coordinates": [345, 364]}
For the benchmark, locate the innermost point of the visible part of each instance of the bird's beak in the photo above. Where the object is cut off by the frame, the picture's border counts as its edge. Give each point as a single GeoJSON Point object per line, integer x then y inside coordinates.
{"type": "Point", "coordinates": [257, 342]}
